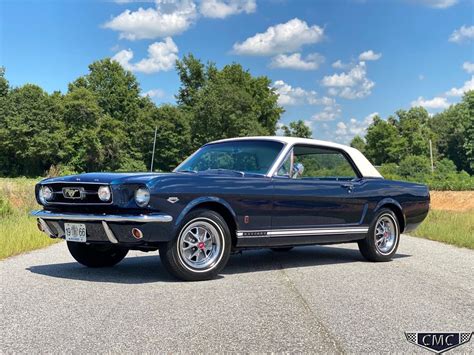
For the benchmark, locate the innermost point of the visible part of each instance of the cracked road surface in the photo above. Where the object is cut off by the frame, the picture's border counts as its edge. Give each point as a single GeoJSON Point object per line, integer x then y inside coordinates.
{"type": "Point", "coordinates": [311, 299]}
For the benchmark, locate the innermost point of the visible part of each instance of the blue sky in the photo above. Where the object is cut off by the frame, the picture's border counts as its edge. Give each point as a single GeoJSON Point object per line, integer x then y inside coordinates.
{"type": "Point", "coordinates": [335, 63]}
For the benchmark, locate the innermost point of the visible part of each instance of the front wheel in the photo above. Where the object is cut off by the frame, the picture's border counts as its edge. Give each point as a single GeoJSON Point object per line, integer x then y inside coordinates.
{"type": "Point", "coordinates": [382, 240]}
{"type": "Point", "coordinates": [201, 249]}
{"type": "Point", "coordinates": [96, 255]}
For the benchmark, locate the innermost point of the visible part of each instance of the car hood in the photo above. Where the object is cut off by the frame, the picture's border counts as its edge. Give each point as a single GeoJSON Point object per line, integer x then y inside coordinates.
{"type": "Point", "coordinates": [107, 178]}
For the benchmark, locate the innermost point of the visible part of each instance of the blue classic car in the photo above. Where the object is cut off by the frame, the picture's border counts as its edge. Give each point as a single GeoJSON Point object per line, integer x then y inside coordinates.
{"type": "Point", "coordinates": [233, 194]}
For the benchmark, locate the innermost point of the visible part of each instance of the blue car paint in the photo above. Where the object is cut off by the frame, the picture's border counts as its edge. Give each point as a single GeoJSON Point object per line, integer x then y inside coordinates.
{"type": "Point", "coordinates": [256, 202]}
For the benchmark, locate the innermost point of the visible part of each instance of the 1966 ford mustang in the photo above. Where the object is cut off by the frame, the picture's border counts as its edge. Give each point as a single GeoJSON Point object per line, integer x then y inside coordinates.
{"type": "Point", "coordinates": [262, 192]}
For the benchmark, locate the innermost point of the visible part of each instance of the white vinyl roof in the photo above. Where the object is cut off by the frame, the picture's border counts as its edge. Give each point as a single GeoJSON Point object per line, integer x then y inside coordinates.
{"type": "Point", "coordinates": [362, 163]}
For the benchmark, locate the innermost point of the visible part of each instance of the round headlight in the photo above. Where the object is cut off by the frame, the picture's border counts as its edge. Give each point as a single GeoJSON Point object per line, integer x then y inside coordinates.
{"type": "Point", "coordinates": [45, 194]}
{"type": "Point", "coordinates": [104, 193]}
{"type": "Point", "coordinates": [142, 196]}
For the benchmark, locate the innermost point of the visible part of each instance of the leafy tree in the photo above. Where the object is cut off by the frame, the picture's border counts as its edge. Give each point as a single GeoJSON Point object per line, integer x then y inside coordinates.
{"type": "Point", "coordinates": [116, 89]}
{"type": "Point", "coordinates": [384, 144]}
{"type": "Point", "coordinates": [297, 129]}
{"type": "Point", "coordinates": [173, 137]}
{"type": "Point", "coordinates": [358, 143]}
{"type": "Point", "coordinates": [4, 86]}
{"type": "Point", "coordinates": [414, 166]}
{"type": "Point", "coordinates": [82, 116]}
{"type": "Point", "coordinates": [226, 103]}
{"type": "Point", "coordinates": [454, 130]}
{"type": "Point", "coordinates": [32, 139]}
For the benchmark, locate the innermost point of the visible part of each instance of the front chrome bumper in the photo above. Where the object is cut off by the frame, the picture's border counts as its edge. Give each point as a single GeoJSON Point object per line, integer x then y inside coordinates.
{"type": "Point", "coordinates": [141, 218]}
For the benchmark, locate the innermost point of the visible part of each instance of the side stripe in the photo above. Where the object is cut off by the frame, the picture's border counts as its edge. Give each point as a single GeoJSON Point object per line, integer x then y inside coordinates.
{"type": "Point", "coordinates": [301, 232]}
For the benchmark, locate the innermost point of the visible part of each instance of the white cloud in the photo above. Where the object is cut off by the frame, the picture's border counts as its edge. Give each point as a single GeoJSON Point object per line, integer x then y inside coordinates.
{"type": "Point", "coordinates": [329, 113]}
{"type": "Point", "coordinates": [289, 95]}
{"type": "Point", "coordinates": [295, 61]}
{"type": "Point", "coordinates": [462, 34]}
{"type": "Point", "coordinates": [224, 8]}
{"type": "Point", "coordinates": [369, 55]}
{"type": "Point", "coordinates": [131, 1]}
{"type": "Point", "coordinates": [345, 131]}
{"type": "Point", "coordinates": [438, 4]}
{"type": "Point", "coordinates": [351, 85]}
{"type": "Point", "coordinates": [435, 103]}
{"type": "Point", "coordinates": [161, 57]}
{"type": "Point", "coordinates": [166, 19]}
{"type": "Point", "coordinates": [468, 67]}
{"type": "Point", "coordinates": [281, 38]}
{"type": "Point", "coordinates": [338, 64]}
{"type": "Point", "coordinates": [154, 93]}
{"type": "Point", "coordinates": [468, 85]}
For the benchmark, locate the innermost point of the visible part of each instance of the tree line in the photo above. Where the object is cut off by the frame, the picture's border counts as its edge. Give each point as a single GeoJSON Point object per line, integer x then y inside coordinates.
{"type": "Point", "coordinates": [400, 145]}
{"type": "Point", "coordinates": [102, 123]}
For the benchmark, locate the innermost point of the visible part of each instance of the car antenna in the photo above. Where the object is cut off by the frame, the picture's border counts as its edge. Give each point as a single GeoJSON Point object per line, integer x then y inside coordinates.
{"type": "Point", "coordinates": [153, 153]}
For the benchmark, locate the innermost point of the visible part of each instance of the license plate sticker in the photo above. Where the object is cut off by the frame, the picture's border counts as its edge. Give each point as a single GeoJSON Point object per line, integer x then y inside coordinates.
{"type": "Point", "coordinates": [75, 232]}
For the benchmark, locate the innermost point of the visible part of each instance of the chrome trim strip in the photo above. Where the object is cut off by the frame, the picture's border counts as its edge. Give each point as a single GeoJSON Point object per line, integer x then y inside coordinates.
{"type": "Point", "coordinates": [142, 218]}
{"type": "Point", "coordinates": [46, 228]}
{"type": "Point", "coordinates": [109, 233]}
{"type": "Point", "coordinates": [303, 232]}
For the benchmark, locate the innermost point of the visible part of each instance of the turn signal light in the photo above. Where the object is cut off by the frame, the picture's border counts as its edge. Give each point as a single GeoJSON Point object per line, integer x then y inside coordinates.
{"type": "Point", "coordinates": [137, 233]}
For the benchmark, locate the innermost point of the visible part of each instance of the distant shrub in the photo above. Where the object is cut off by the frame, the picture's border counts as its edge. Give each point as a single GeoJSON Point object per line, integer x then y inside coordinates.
{"type": "Point", "coordinates": [60, 170]}
{"type": "Point", "coordinates": [418, 169]}
{"type": "Point", "coordinates": [5, 207]}
{"type": "Point", "coordinates": [414, 166]}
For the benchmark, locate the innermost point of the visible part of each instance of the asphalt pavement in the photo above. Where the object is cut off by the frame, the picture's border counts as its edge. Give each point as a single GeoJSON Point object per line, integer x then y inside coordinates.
{"type": "Point", "coordinates": [323, 299]}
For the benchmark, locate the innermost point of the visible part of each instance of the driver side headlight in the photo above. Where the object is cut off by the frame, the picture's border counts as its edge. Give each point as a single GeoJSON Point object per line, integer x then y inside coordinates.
{"type": "Point", "coordinates": [142, 196]}
{"type": "Point", "coordinates": [45, 194]}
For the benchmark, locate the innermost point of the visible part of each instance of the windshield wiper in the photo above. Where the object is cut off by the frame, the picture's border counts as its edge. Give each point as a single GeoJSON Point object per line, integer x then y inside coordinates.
{"type": "Point", "coordinates": [187, 171]}
{"type": "Point", "coordinates": [241, 173]}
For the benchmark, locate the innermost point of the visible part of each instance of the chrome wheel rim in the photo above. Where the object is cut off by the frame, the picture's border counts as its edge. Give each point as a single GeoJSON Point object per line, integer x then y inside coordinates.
{"type": "Point", "coordinates": [200, 245]}
{"type": "Point", "coordinates": [385, 234]}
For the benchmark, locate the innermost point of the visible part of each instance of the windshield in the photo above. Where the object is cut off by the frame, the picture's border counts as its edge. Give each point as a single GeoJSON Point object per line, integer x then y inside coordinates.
{"type": "Point", "coordinates": [255, 157]}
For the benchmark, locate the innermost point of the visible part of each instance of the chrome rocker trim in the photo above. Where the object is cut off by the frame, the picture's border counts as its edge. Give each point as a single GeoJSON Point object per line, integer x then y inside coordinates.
{"type": "Point", "coordinates": [141, 218]}
{"type": "Point", "coordinates": [301, 232]}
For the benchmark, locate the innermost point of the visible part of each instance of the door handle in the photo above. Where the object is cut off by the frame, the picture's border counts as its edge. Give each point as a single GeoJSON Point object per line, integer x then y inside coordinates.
{"type": "Point", "coordinates": [348, 186]}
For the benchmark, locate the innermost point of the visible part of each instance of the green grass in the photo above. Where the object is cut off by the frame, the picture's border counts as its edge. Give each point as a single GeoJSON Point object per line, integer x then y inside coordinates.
{"type": "Point", "coordinates": [18, 231]}
{"type": "Point", "coordinates": [450, 227]}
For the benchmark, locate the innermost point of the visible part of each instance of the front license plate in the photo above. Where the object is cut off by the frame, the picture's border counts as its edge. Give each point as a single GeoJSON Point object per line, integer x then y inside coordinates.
{"type": "Point", "coordinates": [75, 232]}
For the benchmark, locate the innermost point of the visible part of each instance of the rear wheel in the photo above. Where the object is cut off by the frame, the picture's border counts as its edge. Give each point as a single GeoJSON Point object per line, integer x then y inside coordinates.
{"type": "Point", "coordinates": [96, 255]}
{"type": "Point", "coordinates": [382, 240]}
{"type": "Point", "coordinates": [281, 249]}
{"type": "Point", "coordinates": [201, 249]}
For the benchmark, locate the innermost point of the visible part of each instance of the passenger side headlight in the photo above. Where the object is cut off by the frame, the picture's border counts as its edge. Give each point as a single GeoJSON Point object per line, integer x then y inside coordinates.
{"type": "Point", "coordinates": [104, 193]}
{"type": "Point", "coordinates": [45, 194]}
{"type": "Point", "coordinates": [142, 196]}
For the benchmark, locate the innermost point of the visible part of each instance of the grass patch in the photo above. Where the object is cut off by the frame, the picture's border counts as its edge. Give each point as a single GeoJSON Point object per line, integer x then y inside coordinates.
{"type": "Point", "coordinates": [450, 227]}
{"type": "Point", "coordinates": [18, 231]}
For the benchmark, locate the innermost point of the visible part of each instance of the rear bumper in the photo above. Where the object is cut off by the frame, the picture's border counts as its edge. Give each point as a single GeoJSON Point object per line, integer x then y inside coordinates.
{"type": "Point", "coordinates": [107, 228]}
{"type": "Point", "coordinates": [140, 218]}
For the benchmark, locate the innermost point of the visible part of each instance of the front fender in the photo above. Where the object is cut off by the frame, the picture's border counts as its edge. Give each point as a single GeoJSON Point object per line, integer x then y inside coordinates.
{"type": "Point", "coordinates": [202, 200]}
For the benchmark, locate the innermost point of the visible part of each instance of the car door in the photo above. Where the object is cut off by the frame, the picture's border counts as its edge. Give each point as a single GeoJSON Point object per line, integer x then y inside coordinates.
{"type": "Point", "coordinates": [317, 187]}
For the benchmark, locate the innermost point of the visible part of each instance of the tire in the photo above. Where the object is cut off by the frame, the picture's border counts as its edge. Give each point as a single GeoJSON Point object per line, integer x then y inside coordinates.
{"type": "Point", "coordinates": [96, 255]}
{"type": "Point", "coordinates": [381, 244]}
{"type": "Point", "coordinates": [201, 248]}
{"type": "Point", "coordinates": [282, 249]}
